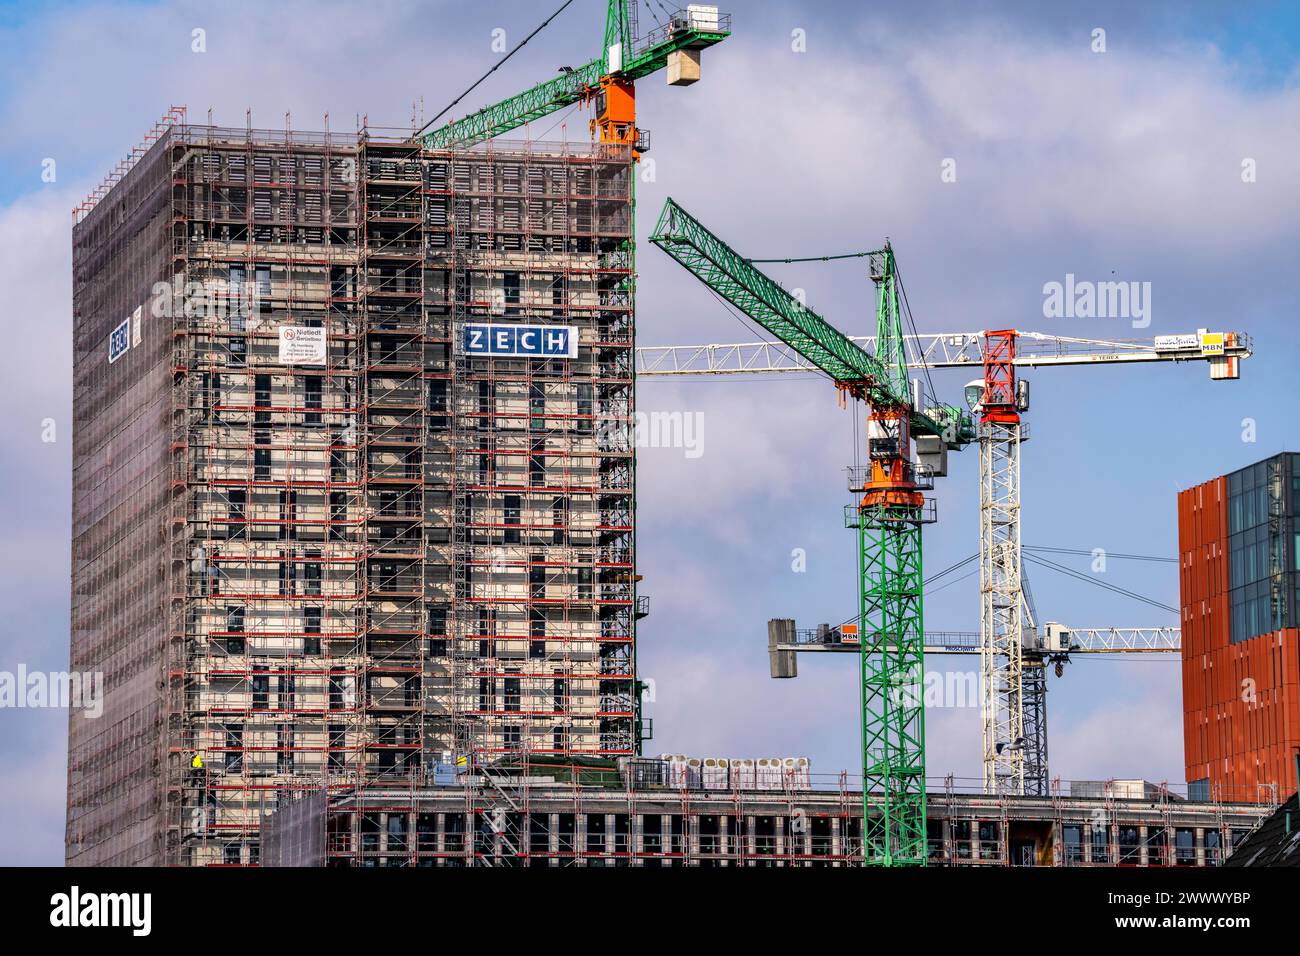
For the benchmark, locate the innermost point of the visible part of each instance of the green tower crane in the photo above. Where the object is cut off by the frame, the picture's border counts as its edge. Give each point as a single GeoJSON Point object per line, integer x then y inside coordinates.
{"type": "Point", "coordinates": [608, 84]}
{"type": "Point", "coordinates": [887, 518]}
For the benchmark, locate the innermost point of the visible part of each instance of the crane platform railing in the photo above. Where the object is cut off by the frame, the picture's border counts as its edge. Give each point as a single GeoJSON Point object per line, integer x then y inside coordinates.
{"type": "Point", "coordinates": [1097, 640]}
{"type": "Point", "coordinates": [684, 30]}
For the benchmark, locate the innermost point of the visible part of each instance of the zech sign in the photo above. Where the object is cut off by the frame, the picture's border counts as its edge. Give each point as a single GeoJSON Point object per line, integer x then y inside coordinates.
{"type": "Point", "coordinates": [523, 341]}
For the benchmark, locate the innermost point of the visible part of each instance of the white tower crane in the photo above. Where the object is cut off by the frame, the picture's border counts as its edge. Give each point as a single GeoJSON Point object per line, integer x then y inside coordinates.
{"type": "Point", "coordinates": [1013, 655]}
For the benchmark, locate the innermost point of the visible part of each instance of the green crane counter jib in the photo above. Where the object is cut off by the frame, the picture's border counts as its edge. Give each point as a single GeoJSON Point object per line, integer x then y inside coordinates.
{"type": "Point", "coordinates": [639, 58]}
{"type": "Point", "coordinates": [888, 520]}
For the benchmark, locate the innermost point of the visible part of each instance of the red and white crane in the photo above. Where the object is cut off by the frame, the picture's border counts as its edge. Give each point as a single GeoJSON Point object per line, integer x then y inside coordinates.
{"type": "Point", "coordinates": [1013, 653]}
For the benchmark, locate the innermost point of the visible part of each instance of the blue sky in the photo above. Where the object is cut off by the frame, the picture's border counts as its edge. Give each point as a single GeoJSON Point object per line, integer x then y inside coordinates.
{"type": "Point", "coordinates": [1121, 165]}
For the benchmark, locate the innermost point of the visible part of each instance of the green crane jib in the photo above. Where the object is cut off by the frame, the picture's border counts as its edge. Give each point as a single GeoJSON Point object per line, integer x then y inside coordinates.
{"type": "Point", "coordinates": [887, 519]}
{"type": "Point", "coordinates": [542, 100]}
{"type": "Point", "coordinates": [749, 289]}
{"type": "Point", "coordinates": [626, 58]}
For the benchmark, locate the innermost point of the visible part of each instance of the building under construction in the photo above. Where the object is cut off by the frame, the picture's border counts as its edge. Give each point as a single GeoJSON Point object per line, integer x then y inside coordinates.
{"type": "Point", "coordinates": [652, 813]}
{"type": "Point", "coordinates": [329, 531]}
{"type": "Point", "coordinates": [354, 518]}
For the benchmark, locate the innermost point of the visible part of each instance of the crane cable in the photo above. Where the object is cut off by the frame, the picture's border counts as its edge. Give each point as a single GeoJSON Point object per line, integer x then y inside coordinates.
{"type": "Point", "coordinates": [1107, 554]}
{"type": "Point", "coordinates": [666, 11]}
{"type": "Point", "coordinates": [907, 307]}
{"type": "Point", "coordinates": [519, 46]}
{"type": "Point", "coordinates": [935, 577]}
{"type": "Point", "coordinates": [1053, 566]}
{"type": "Point", "coordinates": [847, 255]}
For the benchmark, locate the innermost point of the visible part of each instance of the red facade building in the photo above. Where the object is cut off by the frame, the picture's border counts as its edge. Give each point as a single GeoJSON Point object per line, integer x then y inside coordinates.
{"type": "Point", "coordinates": [1239, 580]}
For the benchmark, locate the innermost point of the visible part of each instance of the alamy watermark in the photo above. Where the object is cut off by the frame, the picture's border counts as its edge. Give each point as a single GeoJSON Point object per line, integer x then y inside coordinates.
{"type": "Point", "coordinates": [237, 300]}
{"type": "Point", "coordinates": [655, 429]}
{"type": "Point", "coordinates": [1085, 299]}
{"type": "Point", "coordinates": [133, 911]}
{"type": "Point", "coordinates": [82, 690]}
{"type": "Point", "coordinates": [940, 689]}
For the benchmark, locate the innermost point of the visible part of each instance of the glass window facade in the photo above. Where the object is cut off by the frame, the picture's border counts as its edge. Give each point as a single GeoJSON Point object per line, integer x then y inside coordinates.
{"type": "Point", "coordinates": [1264, 547]}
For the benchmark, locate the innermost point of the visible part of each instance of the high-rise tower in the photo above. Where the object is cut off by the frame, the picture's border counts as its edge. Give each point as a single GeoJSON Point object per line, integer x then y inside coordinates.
{"type": "Point", "coordinates": [354, 474]}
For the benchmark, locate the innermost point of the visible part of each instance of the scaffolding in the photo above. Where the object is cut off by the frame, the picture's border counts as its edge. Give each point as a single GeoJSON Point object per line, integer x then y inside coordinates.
{"type": "Point", "coordinates": [541, 453]}
{"type": "Point", "coordinates": [268, 679]}
{"type": "Point", "coordinates": [122, 578]}
{"type": "Point", "coordinates": [362, 570]}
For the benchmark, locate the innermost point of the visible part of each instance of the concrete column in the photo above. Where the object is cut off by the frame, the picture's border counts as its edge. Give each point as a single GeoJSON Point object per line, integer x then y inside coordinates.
{"type": "Point", "coordinates": [636, 824]}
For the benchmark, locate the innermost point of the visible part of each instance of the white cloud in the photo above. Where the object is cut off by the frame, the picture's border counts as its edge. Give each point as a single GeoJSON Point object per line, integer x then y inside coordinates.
{"type": "Point", "coordinates": [1067, 161]}
{"type": "Point", "coordinates": [36, 267]}
{"type": "Point", "coordinates": [765, 444]}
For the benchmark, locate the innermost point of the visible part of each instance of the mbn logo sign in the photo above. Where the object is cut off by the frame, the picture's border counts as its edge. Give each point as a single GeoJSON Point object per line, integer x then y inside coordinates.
{"type": "Point", "coordinates": [540, 341]}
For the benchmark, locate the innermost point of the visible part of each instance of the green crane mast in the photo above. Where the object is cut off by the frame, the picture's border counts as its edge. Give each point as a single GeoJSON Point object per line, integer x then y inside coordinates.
{"type": "Point", "coordinates": [888, 518]}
